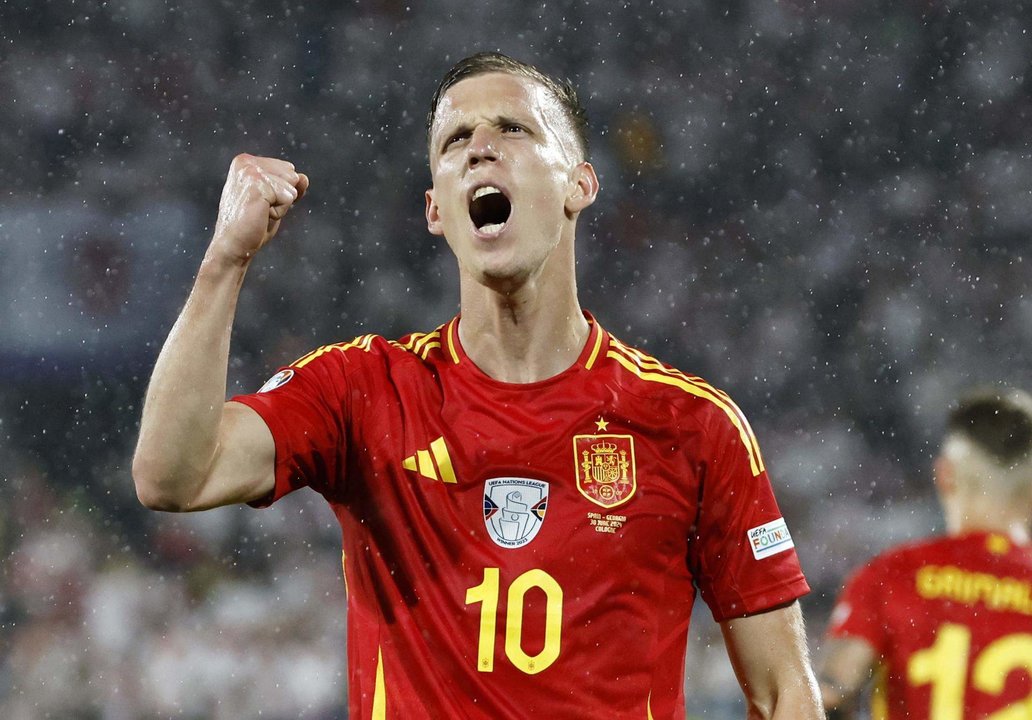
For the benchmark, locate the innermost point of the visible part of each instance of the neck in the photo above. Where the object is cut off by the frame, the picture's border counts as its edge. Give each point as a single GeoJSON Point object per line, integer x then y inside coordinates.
{"type": "Point", "coordinates": [528, 334]}
{"type": "Point", "coordinates": [978, 514]}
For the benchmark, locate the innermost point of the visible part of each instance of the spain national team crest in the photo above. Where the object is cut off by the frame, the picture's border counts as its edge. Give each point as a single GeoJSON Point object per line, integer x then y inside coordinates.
{"type": "Point", "coordinates": [514, 509]}
{"type": "Point", "coordinates": [605, 468]}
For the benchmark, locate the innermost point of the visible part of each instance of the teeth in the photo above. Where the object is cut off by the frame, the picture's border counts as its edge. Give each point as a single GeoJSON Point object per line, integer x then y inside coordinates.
{"type": "Point", "coordinates": [492, 228]}
{"type": "Point", "coordinates": [486, 190]}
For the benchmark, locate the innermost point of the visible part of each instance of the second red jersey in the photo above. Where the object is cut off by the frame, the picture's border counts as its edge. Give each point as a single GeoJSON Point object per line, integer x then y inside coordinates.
{"type": "Point", "coordinates": [951, 619]}
{"type": "Point", "coordinates": [530, 550]}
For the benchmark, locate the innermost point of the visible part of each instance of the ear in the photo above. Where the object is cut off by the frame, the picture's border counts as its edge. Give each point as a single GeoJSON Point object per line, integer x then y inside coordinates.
{"type": "Point", "coordinates": [584, 190]}
{"type": "Point", "coordinates": [433, 215]}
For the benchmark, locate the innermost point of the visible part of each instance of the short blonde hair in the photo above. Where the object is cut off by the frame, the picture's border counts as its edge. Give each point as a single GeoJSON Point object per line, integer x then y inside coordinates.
{"type": "Point", "coordinates": [489, 62]}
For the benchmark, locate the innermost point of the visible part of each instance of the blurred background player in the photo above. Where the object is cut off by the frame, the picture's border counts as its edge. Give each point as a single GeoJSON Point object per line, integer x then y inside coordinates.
{"type": "Point", "coordinates": [945, 624]}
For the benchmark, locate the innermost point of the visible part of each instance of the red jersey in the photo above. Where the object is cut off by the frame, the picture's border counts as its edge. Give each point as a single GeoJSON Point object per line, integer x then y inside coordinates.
{"type": "Point", "coordinates": [526, 550]}
{"type": "Point", "coordinates": [951, 619]}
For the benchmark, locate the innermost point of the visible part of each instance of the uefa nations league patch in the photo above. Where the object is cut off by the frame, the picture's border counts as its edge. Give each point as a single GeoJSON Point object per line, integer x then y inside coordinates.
{"type": "Point", "coordinates": [514, 509]}
{"type": "Point", "coordinates": [278, 380]}
{"type": "Point", "coordinates": [769, 539]}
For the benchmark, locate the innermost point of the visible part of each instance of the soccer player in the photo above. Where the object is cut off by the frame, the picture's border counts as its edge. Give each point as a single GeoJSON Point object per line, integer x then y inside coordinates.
{"type": "Point", "coordinates": [947, 622]}
{"type": "Point", "coordinates": [527, 504]}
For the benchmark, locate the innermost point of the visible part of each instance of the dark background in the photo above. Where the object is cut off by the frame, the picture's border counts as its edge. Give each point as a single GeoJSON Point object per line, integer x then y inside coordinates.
{"type": "Point", "coordinates": [821, 207]}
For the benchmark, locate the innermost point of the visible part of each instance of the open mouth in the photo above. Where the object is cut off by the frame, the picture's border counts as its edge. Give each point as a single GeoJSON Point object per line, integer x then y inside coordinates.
{"type": "Point", "coordinates": [489, 209]}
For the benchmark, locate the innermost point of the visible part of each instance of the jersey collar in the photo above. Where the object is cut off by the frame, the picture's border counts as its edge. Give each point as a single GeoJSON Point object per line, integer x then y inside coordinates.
{"type": "Point", "coordinates": [594, 349]}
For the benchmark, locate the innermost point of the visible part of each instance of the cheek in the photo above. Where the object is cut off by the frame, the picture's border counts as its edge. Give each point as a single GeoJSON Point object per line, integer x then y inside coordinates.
{"type": "Point", "coordinates": [550, 190]}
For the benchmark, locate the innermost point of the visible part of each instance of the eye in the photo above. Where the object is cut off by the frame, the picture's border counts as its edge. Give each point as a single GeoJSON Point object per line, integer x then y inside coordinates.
{"type": "Point", "coordinates": [452, 139]}
{"type": "Point", "coordinates": [513, 128]}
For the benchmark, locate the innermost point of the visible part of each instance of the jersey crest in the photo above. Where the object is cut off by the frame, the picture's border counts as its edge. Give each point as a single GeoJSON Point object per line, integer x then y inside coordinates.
{"type": "Point", "coordinates": [605, 468]}
{"type": "Point", "coordinates": [514, 509]}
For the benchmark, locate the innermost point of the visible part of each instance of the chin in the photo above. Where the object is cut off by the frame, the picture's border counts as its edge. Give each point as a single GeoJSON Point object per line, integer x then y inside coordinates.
{"type": "Point", "coordinates": [502, 280]}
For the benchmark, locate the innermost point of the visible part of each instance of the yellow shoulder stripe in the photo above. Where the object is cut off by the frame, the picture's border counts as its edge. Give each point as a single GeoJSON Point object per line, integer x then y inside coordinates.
{"type": "Point", "coordinates": [650, 370]}
{"type": "Point", "coordinates": [413, 339]}
{"type": "Point", "coordinates": [427, 339]}
{"type": "Point", "coordinates": [652, 363]}
{"type": "Point", "coordinates": [362, 343]}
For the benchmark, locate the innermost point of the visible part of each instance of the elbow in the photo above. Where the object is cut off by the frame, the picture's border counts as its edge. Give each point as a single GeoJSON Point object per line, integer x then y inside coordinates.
{"type": "Point", "coordinates": [154, 488]}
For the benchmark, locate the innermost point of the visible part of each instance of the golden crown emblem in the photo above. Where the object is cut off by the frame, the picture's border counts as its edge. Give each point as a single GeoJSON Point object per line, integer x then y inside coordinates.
{"type": "Point", "coordinates": [604, 448]}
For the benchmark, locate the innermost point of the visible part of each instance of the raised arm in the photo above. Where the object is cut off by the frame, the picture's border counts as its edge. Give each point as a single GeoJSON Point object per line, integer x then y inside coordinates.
{"type": "Point", "coordinates": [769, 654]}
{"type": "Point", "coordinates": [195, 450]}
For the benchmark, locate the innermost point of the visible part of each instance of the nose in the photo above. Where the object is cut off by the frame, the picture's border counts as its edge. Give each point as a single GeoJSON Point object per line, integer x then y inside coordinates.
{"type": "Point", "coordinates": [482, 146]}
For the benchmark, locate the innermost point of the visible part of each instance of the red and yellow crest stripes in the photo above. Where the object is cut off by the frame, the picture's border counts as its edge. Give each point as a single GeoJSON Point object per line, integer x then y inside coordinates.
{"type": "Point", "coordinates": [652, 370]}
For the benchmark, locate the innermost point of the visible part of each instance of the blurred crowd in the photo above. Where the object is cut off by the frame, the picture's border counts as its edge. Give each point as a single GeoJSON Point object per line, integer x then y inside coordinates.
{"type": "Point", "coordinates": [821, 207]}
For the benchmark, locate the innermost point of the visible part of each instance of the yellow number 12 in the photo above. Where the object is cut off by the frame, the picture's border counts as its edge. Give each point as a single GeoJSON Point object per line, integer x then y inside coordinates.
{"type": "Point", "coordinates": [944, 665]}
{"type": "Point", "coordinates": [486, 593]}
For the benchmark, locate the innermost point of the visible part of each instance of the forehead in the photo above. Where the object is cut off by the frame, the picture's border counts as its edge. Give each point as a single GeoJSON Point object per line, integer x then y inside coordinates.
{"type": "Point", "coordinates": [497, 94]}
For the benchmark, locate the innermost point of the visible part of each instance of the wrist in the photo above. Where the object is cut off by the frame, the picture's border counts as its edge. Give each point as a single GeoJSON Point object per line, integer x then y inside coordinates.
{"type": "Point", "coordinates": [218, 259]}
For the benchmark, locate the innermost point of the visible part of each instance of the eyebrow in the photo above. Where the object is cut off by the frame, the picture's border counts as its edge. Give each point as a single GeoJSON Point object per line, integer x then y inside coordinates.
{"type": "Point", "coordinates": [496, 121]}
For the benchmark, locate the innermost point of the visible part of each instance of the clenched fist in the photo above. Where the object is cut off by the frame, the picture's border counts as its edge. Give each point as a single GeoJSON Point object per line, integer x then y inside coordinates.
{"type": "Point", "coordinates": [258, 193]}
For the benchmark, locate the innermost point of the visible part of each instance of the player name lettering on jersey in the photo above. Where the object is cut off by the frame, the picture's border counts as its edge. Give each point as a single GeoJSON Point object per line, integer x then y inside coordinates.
{"type": "Point", "coordinates": [948, 582]}
{"type": "Point", "coordinates": [770, 539]}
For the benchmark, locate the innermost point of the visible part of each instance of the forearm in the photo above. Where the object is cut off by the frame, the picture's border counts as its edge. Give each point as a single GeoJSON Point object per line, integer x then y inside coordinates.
{"type": "Point", "coordinates": [769, 654]}
{"type": "Point", "coordinates": [796, 700]}
{"type": "Point", "coordinates": [183, 408]}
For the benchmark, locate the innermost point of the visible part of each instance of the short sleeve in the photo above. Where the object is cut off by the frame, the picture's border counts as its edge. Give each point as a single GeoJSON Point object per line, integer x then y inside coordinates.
{"type": "Point", "coordinates": [305, 411]}
{"type": "Point", "coordinates": [857, 611]}
{"type": "Point", "coordinates": [741, 552]}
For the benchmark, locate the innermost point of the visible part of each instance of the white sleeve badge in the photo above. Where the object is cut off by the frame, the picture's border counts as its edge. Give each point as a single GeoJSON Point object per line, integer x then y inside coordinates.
{"type": "Point", "coordinates": [278, 380]}
{"type": "Point", "coordinates": [769, 539]}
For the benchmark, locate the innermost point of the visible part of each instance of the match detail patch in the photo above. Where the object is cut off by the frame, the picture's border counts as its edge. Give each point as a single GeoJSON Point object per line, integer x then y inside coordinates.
{"type": "Point", "coordinates": [278, 380]}
{"type": "Point", "coordinates": [769, 539]}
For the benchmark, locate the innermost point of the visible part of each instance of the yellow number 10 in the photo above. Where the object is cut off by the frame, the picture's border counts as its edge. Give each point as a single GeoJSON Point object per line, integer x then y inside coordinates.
{"type": "Point", "coordinates": [486, 593]}
{"type": "Point", "coordinates": [945, 663]}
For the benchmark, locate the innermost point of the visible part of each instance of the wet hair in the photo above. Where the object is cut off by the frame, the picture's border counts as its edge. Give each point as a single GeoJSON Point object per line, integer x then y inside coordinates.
{"type": "Point", "coordinates": [999, 422]}
{"type": "Point", "coordinates": [489, 62]}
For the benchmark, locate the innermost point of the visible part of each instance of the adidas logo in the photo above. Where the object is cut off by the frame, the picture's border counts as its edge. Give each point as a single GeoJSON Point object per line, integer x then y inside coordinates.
{"type": "Point", "coordinates": [434, 463]}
